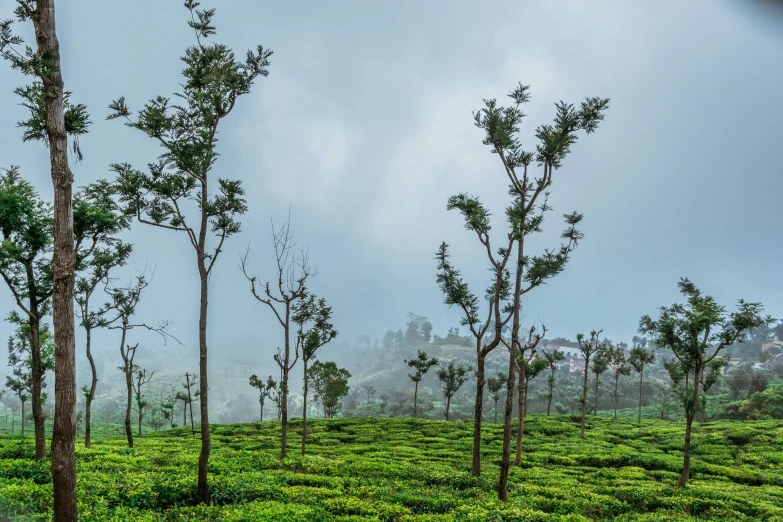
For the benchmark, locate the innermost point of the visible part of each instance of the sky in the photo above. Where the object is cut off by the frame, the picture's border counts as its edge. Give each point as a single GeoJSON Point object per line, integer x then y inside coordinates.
{"type": "Point", "coordinates": [364, 128]}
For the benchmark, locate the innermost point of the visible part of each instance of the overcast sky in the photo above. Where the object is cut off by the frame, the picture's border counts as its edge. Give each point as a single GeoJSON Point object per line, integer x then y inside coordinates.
{"type": "Point", "coordinates": [364, 129]}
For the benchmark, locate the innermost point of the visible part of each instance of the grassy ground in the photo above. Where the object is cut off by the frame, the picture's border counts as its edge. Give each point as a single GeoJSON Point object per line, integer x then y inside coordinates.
{"type": "Point", "coordinates": [408, 470]}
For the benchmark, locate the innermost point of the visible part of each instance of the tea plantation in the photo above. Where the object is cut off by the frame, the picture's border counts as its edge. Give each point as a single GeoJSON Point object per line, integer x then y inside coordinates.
{"type": "Point", "coordinates": [408, 470]}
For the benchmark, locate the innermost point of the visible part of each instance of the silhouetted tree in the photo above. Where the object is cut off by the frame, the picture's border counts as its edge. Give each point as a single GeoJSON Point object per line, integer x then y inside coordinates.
{"type": "Point", "coordinates": [422, 365]}
{"type": "Point", "coordinates": [117, 316]}
{"type": "Point", "coordinates": [190, 382]}
{"type": "Point", "coordinates": [388, 339]}
{"type": "Point", "coordinates": [619, 365]}
{"type": "Point", "coordinates": [265, 389]}
{"type": "Point", "coordinates": [697, 332]}
{"type": "Point", "coordinates": [140, 379]}
{"type": "Point", "coordinates": [551, 358]}
{"type": "Point", "coordinates": [292, 273]}
{"type": "Point", "coordinates": [638, 359]}
{"type": "Point", "coordinates": [529, 203]}
{"type": "Point", "coordinates": [187, 132]}
{"type": "Point", "coordinates": [600, 364]}
{"type": "Point", "coordinates": [452, 377]}
{"type": "Point", "coordinates": [533, 366]}
{"type": "Point", "coordinates": [20, 382]}
{"type": "Point", "coordinates": [494, 385]}
{"type": "Point", "coordinates": [589, 349]}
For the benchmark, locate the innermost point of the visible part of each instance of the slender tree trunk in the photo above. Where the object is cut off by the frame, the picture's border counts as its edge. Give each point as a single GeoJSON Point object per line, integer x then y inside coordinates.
{"type": "Point", "coordinates": [415, 397]}
{"type": "Point", "coordinates": [595, 410]}
{"type": "Point", "coordinates": [261, 417]}
{"type": "Point", "coordinates": [521, 409]}
{"type": "Point", "coordinates": [140, 415]}
{"type": "Point", "coordinates": [129, 385]}
{"type": "Point", "coordinates": [551, 384]}
{"type": "Point", "coordinates": [93, 386]}
{"type": "Point", "coordinates": [13, 422]}
{"type": "Point", "coordinates": [690, 414]}
{"type": "Point", "coordinates": [616, 383]}
{"type": "Point", "coordinates": [284, 386]}
{"type": "Point", "coordinates": [39, 419]}
{"type": "Point", "coordinates": [448, 405]}
{"type": "Point", "coordinates": [206, 439]}
{"type": "Point", "coordinates": [63, 260]}
{"type": "Point", "coordinates": [478, 413]}
{"type": "Point", "coordinates": [184, 414]}
{"type": "Point", "coordinates": [22, 418]}
{"type": "Point", "coordinates": [584, 401]}
{"type": "Point", "coordinates": [496, 411]}
{"type": "Point", "coordinates": [304, 409]}
{"type": "Point", "coordinates": [505, 459]}
{"type": "Point", "coordinates": [641, 380]}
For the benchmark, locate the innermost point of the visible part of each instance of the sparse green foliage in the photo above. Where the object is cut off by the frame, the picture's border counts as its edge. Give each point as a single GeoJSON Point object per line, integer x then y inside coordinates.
{"type": "Point", "coordinates": [551, 358]}
{"type": "Point", "coordinates": [696, 332]}
{"type": "Point", "coordinates": [422, 365]}
{"type": "Point", "coordinates": [452, 377]}
{"type": "Point", "coordinates": [265, 389]}
{"type": "Point", "coordinates": [494, 385]}
{"type": "Point", "coordinates": [187, 132]}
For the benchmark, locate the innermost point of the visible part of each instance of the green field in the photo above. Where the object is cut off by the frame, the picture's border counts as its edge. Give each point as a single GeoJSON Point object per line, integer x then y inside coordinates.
{"type": "Point", "coordinates": [408, 470]}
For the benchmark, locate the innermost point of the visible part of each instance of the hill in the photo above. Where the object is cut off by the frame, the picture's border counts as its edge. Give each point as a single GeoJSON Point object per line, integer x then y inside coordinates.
{"type": "Point", "coordinates": [416, 471]}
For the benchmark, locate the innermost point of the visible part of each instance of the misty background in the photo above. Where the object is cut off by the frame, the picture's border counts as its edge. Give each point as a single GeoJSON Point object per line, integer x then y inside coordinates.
{"type": "Point", "coordinates": [363, 129]}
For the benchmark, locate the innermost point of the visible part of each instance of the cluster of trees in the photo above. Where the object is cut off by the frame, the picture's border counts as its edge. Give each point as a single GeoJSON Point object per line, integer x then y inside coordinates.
{"type": "Point", "coordinates": [418, 330]}
{"type": "Point", "coordinates": [55, 256]}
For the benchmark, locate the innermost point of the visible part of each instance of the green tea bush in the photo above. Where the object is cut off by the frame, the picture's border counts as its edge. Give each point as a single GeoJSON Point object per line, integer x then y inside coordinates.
{"type": "Point", "coordinates": [409, 470]}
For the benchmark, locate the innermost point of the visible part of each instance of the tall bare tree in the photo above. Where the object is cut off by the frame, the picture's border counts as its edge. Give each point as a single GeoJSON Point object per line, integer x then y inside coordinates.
{"type": "Point", "coordinates": [117, 316]}
{"type": "Point", "coordinates": [293, 270]}
{"type": "Point", "coordinates": [187, 131]}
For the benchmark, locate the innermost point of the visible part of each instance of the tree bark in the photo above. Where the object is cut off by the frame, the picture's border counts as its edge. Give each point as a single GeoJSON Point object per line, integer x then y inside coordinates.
{"type": "Point", "coordinates": [505, 460]}
{"type": "Point", "coordinates": [284, 385]}
{"type": "Point", "coordinates": [522, 389]}
{"type": "Point", "coordinates": [616, 383]}
{"type": "Point", "coordinates": [39, 419]}
{"type": "Point", "coordinates": [448, 405]}
{"type": "Point", "coordinates": [551, 385]}
{"type": "Point", "coordinates": [415, 396]}
{"type": "Point", "coordinates": [641, 380]}
{"type": "Point", "coordinates": [478, 413]}
{"type": "Point", "coordinates": [206, 440]}
{"type": "Point", "coordinates": [63, 260]}
{"type": "Point", "coordinates": [584, 401]}
{"type": "Point", "coordinates": [261, 417]}
{"type": "Point", "coordinates": [595, 409]}
{"type": "Point", "coordinates": [304, 409]}
{"type": "Point", "coordinates": [129, 385]}
{"type": "Point", "coordinates": [93, 386]}
{"type": "Point", "coordinates": [690, 414]}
